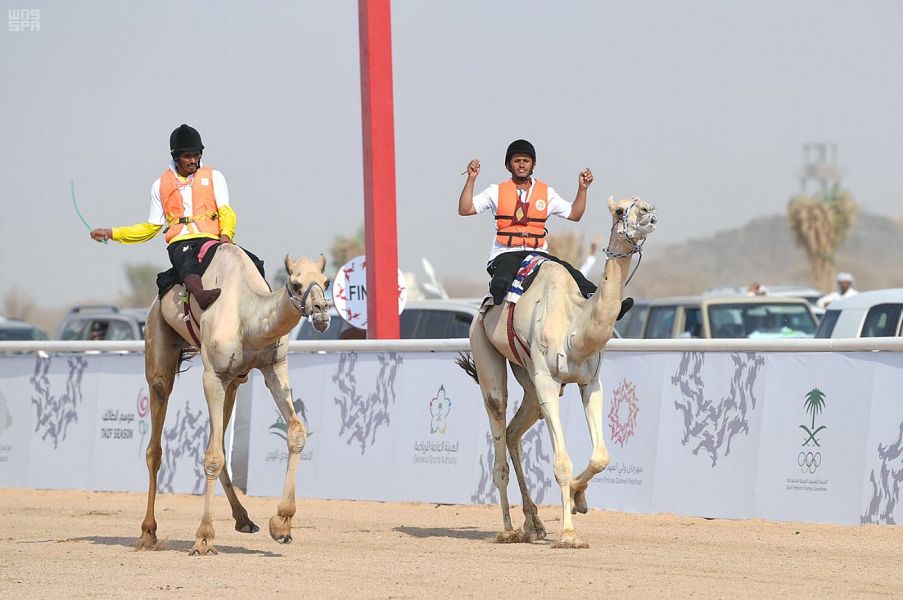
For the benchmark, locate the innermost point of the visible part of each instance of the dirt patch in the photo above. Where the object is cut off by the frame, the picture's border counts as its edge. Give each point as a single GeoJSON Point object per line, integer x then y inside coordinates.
{"type": "Point", "coordinates": [74, 544]}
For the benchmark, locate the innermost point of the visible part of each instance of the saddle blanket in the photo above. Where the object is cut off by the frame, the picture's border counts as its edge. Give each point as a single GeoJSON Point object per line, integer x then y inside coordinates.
{"type": "Point", "coordinates": [526, 273]}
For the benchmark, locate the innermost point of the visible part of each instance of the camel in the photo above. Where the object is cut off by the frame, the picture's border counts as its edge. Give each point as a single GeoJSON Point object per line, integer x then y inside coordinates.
{"type": "Point", "coordinates": [558, 338]}
{"type": "Point", "coordinates": [247, 327]}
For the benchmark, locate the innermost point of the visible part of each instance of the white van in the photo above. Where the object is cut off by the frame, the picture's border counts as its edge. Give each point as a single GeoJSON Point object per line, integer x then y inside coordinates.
{"type": "Point", "coordinates": [876, 313]}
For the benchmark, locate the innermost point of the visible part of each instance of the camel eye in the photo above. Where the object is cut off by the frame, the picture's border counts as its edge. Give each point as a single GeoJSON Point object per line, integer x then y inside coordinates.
{"type": "Point", "coordinates": [296, 287]}
{"type": "Point", "coordinates": [620, 212]}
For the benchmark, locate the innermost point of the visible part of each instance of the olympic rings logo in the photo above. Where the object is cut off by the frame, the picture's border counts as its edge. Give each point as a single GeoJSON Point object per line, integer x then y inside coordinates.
{"type": "Point", "coordinates": [809, 461]}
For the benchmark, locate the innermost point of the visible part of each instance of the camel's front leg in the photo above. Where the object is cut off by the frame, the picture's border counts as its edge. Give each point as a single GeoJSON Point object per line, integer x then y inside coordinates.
{"type": "Point", "coordinates": [591, 394]}
{"type": "Point", "coordinates": [547, 389]}
{"type": "Point", "coordinates": [276, 378]}
{"type": "Point", "coordinates": [243, 522]}
{"type": "Point", "coordinates": [214, 459]}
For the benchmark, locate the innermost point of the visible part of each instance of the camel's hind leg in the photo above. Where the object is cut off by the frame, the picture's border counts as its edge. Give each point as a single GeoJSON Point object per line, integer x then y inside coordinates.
{"type": "Point", "coordinates": [276, 378]}
{"type": "Point", "coordinates": [243, 522]}
{"type": "Point", "coordinates": [527, 414]}
{"type": "Point", "coordinates": [493, 374]}
{"type": "Point", "coordinates": [592, 405]}
{"type": "Point", "coordinates": [214, 458]}
{"type": "Point", "coordinates": [161, 361]}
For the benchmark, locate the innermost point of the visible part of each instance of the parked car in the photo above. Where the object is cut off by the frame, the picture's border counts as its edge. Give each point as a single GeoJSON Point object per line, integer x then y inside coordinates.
{"type": "Point", "coordinates": [102, 322]}
{"type": "Point", "coordinates": [877, 313]}
{"type": "Point", "coordinates": [420, 320]}
{"type": "Point", "coordinates": [18, 330]}
{"type": "Point", "coordinates": [720, 317]}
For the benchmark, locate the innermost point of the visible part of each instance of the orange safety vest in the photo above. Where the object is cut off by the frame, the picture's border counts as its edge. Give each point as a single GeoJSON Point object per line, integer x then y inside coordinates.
{"type": "Point", "coordinates": [203, 203]}
{"type": "Point", "coordinates": [519, 224]}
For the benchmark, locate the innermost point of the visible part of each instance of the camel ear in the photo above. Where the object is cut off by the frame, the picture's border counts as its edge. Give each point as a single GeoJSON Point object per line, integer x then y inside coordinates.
{"type": "Point", "coordinates": [612, 207]}
{"type": "Point", "coordinates": [289, 265]}
{"type": "Point", "coordinates": [322, 263]}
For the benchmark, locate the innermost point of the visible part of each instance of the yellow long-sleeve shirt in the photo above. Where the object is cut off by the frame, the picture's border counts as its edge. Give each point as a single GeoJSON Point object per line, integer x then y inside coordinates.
{"type": "Point", "coordinates": [142, 232]}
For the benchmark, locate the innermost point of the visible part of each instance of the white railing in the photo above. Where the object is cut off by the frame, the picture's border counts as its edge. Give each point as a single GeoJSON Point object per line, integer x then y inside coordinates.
{"type": "Point", "coordinates": [889, 344]}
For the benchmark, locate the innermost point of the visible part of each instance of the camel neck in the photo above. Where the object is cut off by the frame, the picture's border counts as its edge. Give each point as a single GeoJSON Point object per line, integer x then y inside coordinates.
{"type": "Point", "coordinates": [594, 324]}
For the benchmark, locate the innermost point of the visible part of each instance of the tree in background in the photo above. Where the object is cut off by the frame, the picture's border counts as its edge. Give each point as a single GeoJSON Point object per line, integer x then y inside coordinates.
{"type": "Point", "coordinates": [17, 305]}
{"type": "Point", "coordinates": [344, 249]}
{"type": "Point", "coordinates": [820, 224]}
{"type": "Point", "coordinates": [568, 246]}
{"type": "Point", "coordinates": [142, 278]}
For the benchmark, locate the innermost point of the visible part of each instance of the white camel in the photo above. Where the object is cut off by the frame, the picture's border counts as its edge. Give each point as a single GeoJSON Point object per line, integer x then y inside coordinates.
{"type": "Point", "coordinates": [555, 337]}
{"type": "Point", "coordinates": [246, 328]}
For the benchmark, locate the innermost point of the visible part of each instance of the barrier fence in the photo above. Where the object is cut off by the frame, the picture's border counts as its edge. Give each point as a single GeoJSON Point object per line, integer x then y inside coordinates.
{"type": "Point", "coordinates": [808, 430]}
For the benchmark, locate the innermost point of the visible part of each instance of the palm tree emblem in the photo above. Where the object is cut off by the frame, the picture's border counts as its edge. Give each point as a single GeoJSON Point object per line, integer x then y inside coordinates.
{"type": "Point", "coordinates": [815, 402]}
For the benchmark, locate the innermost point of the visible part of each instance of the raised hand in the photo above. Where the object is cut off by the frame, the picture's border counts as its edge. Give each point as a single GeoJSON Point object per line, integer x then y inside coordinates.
{"type": "Point", "coordinates": [101, 234]}
{"type": "Point", "coordinates": [585, 178]}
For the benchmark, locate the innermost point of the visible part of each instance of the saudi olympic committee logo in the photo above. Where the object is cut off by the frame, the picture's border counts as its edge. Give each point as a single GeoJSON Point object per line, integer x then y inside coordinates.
{"type": "Point", "coordinates": [625, 406]}
{"type": "Point", "coordinates": [809, 458]}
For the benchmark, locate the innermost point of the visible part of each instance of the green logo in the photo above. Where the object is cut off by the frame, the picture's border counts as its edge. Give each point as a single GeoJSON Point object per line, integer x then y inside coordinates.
{"type": "Point", "coordinates": [815, 402]}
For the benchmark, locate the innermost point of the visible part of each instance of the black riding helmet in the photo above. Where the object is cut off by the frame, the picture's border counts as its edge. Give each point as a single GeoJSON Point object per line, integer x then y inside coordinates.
{"type": "Point", "coordinates": [184, 138]}
{"type": "Point", "coordinates": [520, 147]}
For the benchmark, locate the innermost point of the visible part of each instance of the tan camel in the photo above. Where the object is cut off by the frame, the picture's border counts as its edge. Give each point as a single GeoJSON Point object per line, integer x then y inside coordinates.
{"type": "Point", "coordinates": [247, 327]}
{"type": "Point", "coordinates": [558, 338]}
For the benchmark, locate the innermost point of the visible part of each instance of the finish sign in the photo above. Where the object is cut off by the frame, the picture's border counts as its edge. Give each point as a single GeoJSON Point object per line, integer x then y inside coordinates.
{"type": "Point", "coordinates": [349, 292]}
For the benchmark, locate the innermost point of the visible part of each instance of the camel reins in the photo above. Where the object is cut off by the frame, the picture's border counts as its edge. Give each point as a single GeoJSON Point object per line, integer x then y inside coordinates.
{"type": "Point", "coordinates": [637, 246]}
{"type": "Point", "coordinates": [300, 303]}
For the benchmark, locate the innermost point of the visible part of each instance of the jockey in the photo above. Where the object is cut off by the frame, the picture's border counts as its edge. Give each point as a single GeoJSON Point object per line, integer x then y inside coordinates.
{"type": "Point", "coordinates": [192, 202]}
{"type": "Point", "coordinates": [521, 206]}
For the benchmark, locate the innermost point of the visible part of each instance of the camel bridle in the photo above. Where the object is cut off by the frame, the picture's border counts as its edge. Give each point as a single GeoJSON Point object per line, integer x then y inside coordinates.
{"type": "Point", "coordinates": [301, 303]}
{"type": "Point", "coordinates": [636, 247]}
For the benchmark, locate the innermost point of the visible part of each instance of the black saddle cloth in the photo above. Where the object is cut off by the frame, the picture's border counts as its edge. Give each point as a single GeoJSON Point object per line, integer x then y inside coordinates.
{"type": "Point", "coordinates": [170, 277]}
{"type": "Point", "coordinates": [504, 267]}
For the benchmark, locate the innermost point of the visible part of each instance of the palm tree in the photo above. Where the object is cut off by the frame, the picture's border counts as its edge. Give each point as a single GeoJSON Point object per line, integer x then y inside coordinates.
{"type": "Point", "coordinates": [815, 402]}
{"type": "Point", "coordinates": [820, 224]}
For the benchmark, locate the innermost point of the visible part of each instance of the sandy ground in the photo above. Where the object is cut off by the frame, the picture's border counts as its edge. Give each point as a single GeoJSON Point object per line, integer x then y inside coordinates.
{"type": "Point", "coordinates": [74, 544]}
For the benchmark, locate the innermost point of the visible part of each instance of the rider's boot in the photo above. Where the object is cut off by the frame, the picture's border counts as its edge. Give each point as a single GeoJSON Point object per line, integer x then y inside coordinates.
{"type": "Point", "coordinates": [196, 288]}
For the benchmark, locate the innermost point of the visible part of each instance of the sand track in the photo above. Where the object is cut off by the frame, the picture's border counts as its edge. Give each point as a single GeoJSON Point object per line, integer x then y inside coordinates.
{"type": "Point", "coordinates": [74, 544]}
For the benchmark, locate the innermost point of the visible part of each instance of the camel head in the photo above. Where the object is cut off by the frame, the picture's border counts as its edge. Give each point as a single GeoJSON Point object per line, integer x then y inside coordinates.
{"type": "Point", "coordinates": [306, 288]}
{"type": "Point", "coordinates": [632, 220]}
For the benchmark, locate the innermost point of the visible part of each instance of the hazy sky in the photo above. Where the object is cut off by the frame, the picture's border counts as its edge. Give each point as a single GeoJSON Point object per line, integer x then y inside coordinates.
{"type": "Point", "coordinates": [701, 107]}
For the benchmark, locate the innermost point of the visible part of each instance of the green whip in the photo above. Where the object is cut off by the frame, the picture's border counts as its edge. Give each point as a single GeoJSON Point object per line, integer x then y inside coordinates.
{"type": "Point", "coordinates": [77, 211]}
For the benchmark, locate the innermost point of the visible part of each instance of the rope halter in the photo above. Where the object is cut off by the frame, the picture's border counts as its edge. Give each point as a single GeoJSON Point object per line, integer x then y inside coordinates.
{"type": "Point", "coordinates": [301, 303]}
{"type": "Point", "coordinates": [636, 247]}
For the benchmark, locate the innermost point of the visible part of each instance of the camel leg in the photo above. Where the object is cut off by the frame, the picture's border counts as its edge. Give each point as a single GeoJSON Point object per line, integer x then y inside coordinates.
{"type": "Point", "coordinates": [527, 414]}
{"type": "Point", "coordinates": [547, 389]}
{"type": "Point", "coordinates": [161, 361]}
{"type": "Point", "coordinates": [214, 459]}
{"type": "Point", "coordinates": [276, 378]}
{"type": "Point", "coordinates": [243, 522]}
{"type": "Point", "coordinates": [592, 404]}
{"type": "Point", "coordinates": [493, 373]}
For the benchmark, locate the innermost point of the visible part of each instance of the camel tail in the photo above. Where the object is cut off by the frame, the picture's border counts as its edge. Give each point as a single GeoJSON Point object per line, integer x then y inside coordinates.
{"type": "Point", "coordinates": [465, 361]}
{"type": "Point", "coordinates": [186, 353]}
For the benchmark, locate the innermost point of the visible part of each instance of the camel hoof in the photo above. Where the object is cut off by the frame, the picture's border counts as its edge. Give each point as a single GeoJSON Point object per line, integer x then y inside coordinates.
{"type": "Point", "coordinates": [537, 532]}
{"type": "Point", "coordinates": [202, 548]}
{"type": "Point", "coordinates": [147, 541]}
{"type": "Point", "coordinates": [511, 537]}
{"type": "Point", "coordinates": [281, 529]}
{"type": "Point", "coordinates": [569, 539]}
{"type": "Point", "coordinates": [580, 505]}
{"type": "Point", "coordinates": [247, 527]}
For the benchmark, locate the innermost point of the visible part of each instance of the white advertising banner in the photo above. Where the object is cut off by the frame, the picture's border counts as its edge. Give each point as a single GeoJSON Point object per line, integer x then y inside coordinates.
{"type": "Point", "coordinates": [63, 395]}
{"type": "Point", "coordinates": [709, 429]}
{"type": "Point", "coordinates": [82, 421]}
{"type": "Point", "coordinates": [883, 468]}
{"type": "Point", "coordinates": [815, 429]}
{"type": "Point", "coordinates": [632, 389]}
{"type": "Point", "coordinates": [812, 436]}
{"type": "Point", "coordinates": [15, 419]}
